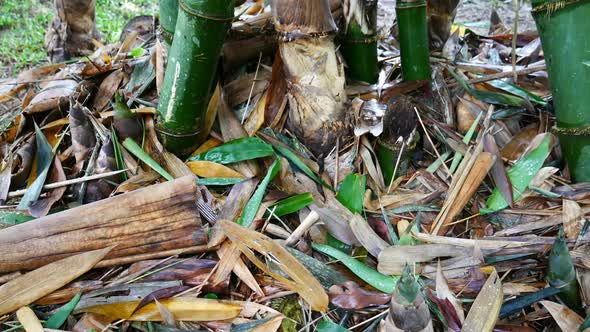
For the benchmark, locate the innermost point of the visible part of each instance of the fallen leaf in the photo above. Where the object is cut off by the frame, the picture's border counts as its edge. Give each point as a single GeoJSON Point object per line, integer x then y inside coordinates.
{"type": "Point", "coordinates": [40, 282]}
{"type": "Point", "coordinates": [301, 281]}
{"type": "Point", "coordinates": [566, 318]}
{"type": "Point", "coordinates": [208, 169]}
{"type": "Point", "coordinates": [29, 320]}
{"type": "Point", "coordinates": [350, 296]}
{"type": "Point", "coordinates": [485, 309]}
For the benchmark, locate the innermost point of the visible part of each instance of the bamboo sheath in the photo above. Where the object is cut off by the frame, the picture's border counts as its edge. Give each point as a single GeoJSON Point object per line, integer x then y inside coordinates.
{"type": "Point", "coordinates": [159, 218]}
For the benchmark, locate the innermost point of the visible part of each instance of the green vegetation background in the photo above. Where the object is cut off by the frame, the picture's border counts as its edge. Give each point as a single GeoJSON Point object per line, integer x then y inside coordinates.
{"type": "Point", "coordinates": [23, 24]}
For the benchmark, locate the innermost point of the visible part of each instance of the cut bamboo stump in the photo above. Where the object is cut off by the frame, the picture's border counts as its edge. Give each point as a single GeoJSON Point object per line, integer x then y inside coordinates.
{"type": "Point", "coordinates": [147, 223]}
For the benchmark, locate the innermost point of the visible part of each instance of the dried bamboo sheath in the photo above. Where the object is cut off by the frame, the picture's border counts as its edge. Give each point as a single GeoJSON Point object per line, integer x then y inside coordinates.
{"type": "Point", "coordinates": [162, 217]}
{"type": "Point", "coordinates": [314, 74]}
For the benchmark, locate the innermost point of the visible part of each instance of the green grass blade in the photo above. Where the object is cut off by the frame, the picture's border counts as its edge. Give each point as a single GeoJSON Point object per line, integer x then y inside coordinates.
{"type": "Point", "coordinates": [137, 151]}
{"type": "Point", "coordinates": [59, 318]}
{"type": "Point", "coordinates": [291, 204]}
{"type": "Point", "coordinates": [253, 204]}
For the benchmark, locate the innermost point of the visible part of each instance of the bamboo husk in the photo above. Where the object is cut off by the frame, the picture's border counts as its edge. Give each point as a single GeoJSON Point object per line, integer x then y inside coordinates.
{"type": "Point", "coordinates": [314, 74]}
{"type": "Point", "coordinates": [158, 218]}
{"type": "Point", "coordinates": [441, 14]}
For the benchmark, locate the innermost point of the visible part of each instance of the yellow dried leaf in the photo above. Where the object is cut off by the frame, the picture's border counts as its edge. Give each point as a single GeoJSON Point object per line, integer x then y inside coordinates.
{"type": "Point", "coordinates": [29, 320]}
{"type": "Point", "coordinates": [207, 169]}
{"type": "Point", "coordinates": [484, 312]}
{"type": "Point", "coordinates": [271, 326]}
{"type": "Point", "coordinates": [566, 318]}
{"type": "Point", "coordinates": [182, 308]}
{"type": "Point", "coordinates": [302, 281]}
{"type": "Point", "coordinates": [256, 118]}
{"type": "Point", "coordinates": [208, 145]}
{"type": "Point", "coordinates": [40, 282]}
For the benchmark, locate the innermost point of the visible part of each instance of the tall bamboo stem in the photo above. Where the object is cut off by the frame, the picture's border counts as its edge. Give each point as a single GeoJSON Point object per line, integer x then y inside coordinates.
{"type": "Point", "coordinates": [359, 44]}
{"type": "Point", "coordinates": [168, 15]}
{"type": "Point", "coordinates": [563, 26]}
{"type": "Point", "coordinates": [413, 39]}
{"type": "Point", "coordinates": [200, 31]}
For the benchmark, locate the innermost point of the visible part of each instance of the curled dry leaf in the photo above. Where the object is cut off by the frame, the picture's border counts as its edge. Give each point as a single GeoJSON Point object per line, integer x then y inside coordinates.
{"type": "Point", "coordinates": [349, 295]}
{"type": "Point", "coordinates": [301, 281]}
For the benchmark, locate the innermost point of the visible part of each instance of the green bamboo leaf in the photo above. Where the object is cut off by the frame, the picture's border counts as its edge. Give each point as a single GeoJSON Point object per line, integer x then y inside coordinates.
{"type": "Point", "coordinates": [352, 192]}
{"type": "Point", "coordinates": [295, 160]}
{"type": "Point", "coordinates": [137, 151]}
{"type": "Point", "coordinates": [489, 96]}
{"type": "Point", "coordinates": [60, 317]}
{"type": "Point", "coordinates": [291, 204]}
{"type": "Point", "coordinates": [253, 204]}
{"type": "Point", "coordinates": [44, 159]}
{"type": "Point", "coordinates": [374, 278]}
{"type": "Point", "coordinates": [219, 181]}
{"type": "Point", "coordinates": [118, 155]}
{"type": "Point", "coordinates": [518, 91]}
{"type": "Point", "coordinates": [520, 175]}
{"type": "Point", "coordinates": [13, 218]}
{"type": "Point", "coordinates": [328, 326]}
{"type": "Point", "coordinates": [137, 52]}
{"type": "Point", "coordinates": [237, 150]}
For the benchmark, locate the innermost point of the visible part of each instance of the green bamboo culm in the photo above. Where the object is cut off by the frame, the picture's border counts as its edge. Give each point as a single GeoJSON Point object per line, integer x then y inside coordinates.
{"type": "Point", "coordinates": [192, 64]}
{"type": "Point", "coordinates": [562, 274]}
{"type": "Point", "coordinates": [563, 26]}
{"type": "Point", "coordinates": [359, 42]}
{"type": "Point", "coordinates": [413, 39]}
{"type": "Point", "coordinates": [168, 16]}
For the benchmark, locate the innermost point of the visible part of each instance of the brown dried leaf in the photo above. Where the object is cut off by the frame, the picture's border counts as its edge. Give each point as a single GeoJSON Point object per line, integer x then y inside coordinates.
{"type": "Point", "coordinates": [498, 171]}
{"type": "Point", "coordinates": [54, 94]}
{"type": "Point", "coordinates": [107, 90]}
{"type": "Point", "coordinates": [368, 238]}
{"type": "Point", "coordinates": [566, 318]}
{"type": "Point", "coordinates": [44, 280]}
{"type": "Point", "coordinates": [349, 295]}
{"type": "Point", "coordinates": [573, 219]}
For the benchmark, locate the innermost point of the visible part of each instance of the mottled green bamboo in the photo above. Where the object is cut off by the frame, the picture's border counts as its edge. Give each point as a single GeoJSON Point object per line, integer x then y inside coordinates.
{"type": "Point", "coordinates": [564, 27]}
{"type": "Point", "coordinates": [168, 15]}
{"type": "Point", "coordinates": [359, 43]}
{"type": "Point", "coordinates": [192, 64]}
{"type": "Point", "coordinates": [413, 39]}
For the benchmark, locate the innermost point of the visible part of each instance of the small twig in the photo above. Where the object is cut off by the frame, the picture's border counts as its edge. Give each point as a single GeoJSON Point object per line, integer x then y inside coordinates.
{"type": "Point", "coordinates": [252, 88]}
{"type": "Point", "coordinates": [496, 76]}
{"type": "Point", "coordinates": [514, 37]}
{"type": "Point", "coordinates": [399, 157]}
{"type": "Point", "coordinates": [21, 192]}
{"type": "Point", "coordinates": [432, 143]}
{"type": "Point", "coordinates": [311, 219]}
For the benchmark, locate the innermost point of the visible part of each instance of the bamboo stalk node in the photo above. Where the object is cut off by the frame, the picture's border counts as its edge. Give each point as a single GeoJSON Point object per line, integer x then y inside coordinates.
{"type": "Point", "coordinates": [197, 13]}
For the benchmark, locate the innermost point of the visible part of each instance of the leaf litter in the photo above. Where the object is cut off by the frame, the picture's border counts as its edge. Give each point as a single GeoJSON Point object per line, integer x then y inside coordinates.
{"type": "Point", "coordinates": [479, 230]}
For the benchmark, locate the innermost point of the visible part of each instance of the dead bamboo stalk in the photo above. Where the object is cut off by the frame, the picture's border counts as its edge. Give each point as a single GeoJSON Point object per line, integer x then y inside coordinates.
{"type": "Point", "coordinates": [158, 218]}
